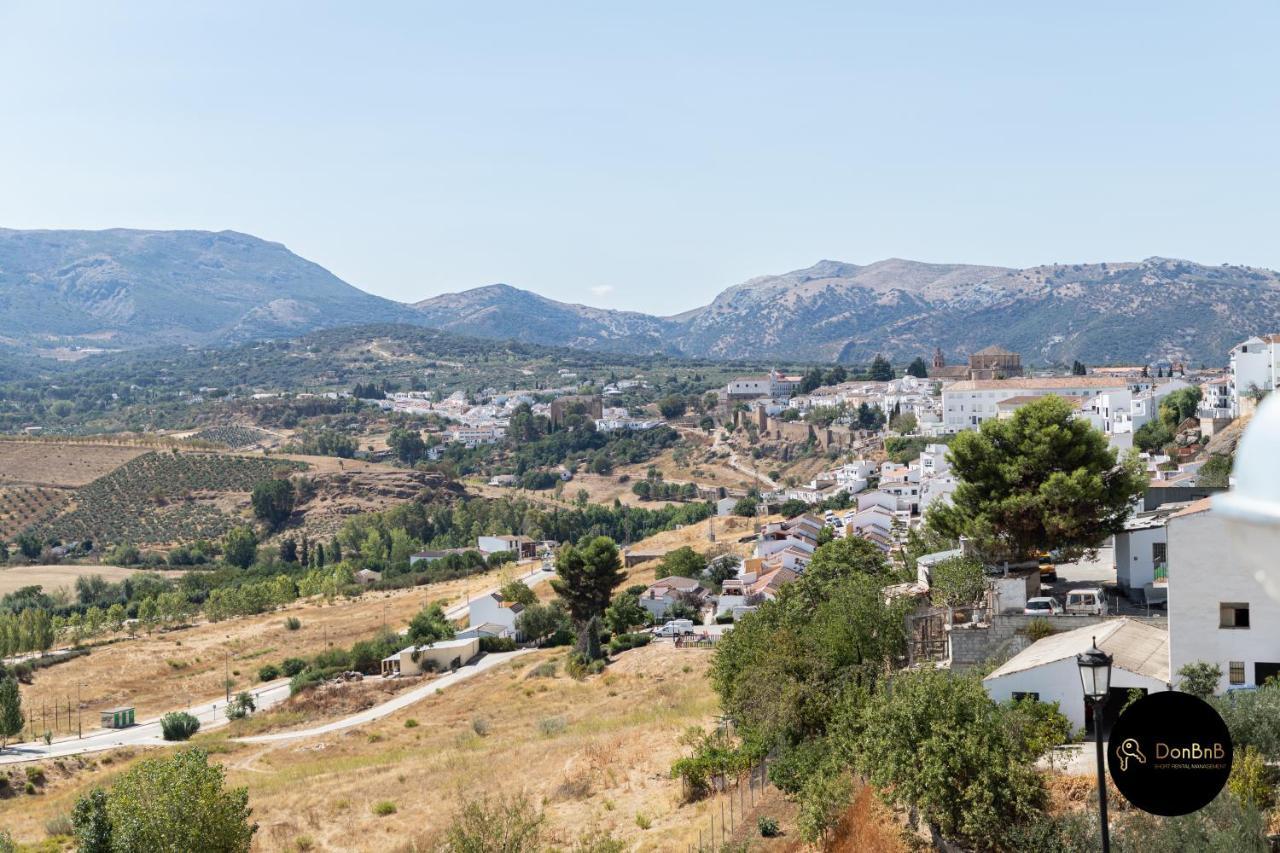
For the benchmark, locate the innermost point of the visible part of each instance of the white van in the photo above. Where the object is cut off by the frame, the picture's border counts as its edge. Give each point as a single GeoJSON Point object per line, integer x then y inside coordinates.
{"type": "Point", "coordinates": [675, 628]}
{"type": "Point", "coordinates": [1087, 602]}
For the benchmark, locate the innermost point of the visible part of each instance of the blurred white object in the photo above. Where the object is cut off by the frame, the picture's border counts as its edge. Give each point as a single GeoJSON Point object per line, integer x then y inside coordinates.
{"type": "Point", "coordinates": [1251, 509]}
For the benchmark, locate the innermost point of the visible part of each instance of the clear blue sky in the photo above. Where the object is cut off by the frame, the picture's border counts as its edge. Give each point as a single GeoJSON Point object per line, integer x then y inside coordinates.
{"type": "Point", "coordinates": [646, 155]}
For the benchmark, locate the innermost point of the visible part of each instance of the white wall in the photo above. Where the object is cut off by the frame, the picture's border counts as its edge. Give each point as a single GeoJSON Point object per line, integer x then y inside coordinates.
{"type": "Point", "coordinates": [1204, 572]}
{"type": "Point", "coordinates": [1135, 567]}
{"type": "Point", "coordinates": [1059, 682]}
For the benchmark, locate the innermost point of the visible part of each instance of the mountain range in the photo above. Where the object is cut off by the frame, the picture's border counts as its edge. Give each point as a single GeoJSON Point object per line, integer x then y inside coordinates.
{"type": "Point", "coordinates": [124, 289]}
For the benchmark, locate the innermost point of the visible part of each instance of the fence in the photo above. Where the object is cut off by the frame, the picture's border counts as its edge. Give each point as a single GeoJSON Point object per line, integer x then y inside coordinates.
{"type": "Point", "coordinates": [53, 716]}
{"type": "Point", "coordinates": [730, 802]}
{"type": "Point", "coordinates": [697, 641]}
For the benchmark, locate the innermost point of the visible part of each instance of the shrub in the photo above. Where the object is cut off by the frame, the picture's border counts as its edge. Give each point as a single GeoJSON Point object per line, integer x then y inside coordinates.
{"type": "Point", "coordinates": [35, 775]}
{"type": "Point", "coordinates": [577, 666]}
{"type": "Point", "coordinates": [293, 623]}
{"type": "Point", "coordinates": [411, 723]}
{"type": "Point", "coordinates": [546, 669]}
{"type": "Point", "coordinates": [643, 821]}
{"type": "Point", "coordinates": [269, 672]}
{"type": "Point", "coordinates": [178, 725]}
{"type": "Point", "coordinates": [384, 808]}
{"type": "Point", "coordinates": [496, 824]}
{"type": "Point", "coordinates": [292, 666]}
{"type": "Point", "coordinates": [623, 642]}
{"type": "Point", "coordinates": [497, 644]}
{"type": "Point", "coordinates": [480, 726]}
{"type": "Point", "coordinates": [768, 827]}
{"type": "Point", "coordinates": [1039, 628]}
{"type": "Point", "coordinates": [59, 825]}
{"type": "Point", "coordinates": [550, 726]}
{"type": "Point", "coordinates": [306, 680]}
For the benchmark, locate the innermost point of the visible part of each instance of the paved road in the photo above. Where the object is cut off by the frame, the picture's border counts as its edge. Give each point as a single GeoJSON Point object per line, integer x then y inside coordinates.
{"type": "Point", "coordinates": [147, 733]}
{"type": "Point", "coordinates": [212, 714]}
{"type": "Point", "coordinates": [404, 700]}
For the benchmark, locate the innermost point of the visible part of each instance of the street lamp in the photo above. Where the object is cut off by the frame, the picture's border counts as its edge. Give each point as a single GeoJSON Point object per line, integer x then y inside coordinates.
{"type": "Point", "coordinates": [1095, 677]}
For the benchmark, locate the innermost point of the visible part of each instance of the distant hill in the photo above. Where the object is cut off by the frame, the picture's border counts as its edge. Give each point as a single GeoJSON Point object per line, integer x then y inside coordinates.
{"type": "Point", "coordinates": [123, 288]}
{"type": "Point", "coordinates": [1100, 313]}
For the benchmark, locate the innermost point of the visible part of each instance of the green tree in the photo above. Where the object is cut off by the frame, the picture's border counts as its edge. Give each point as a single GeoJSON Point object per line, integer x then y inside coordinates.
{"type": "Point", "coordinates": [171, 804]}
{"type": "Point", "coordinates": [429, 625]}
{"type": "Point", "coordinates": [273, 502]}
{"type": "Point", "coordinates": [10, 710]}
{"type": "Point", "coordinates": [1035, 482]}
{"type": "Point", "coordinates": [937, 743]}
{"type": "Point", "coordinates": [682, 562]}
{"type": "Point", "coordinates": [92, 823]}
{"type": "Point", "coordinates": [407, 445]}
{"type": "Point", "coordinates": [1078, 368]}
{"type": "Point", "coordinates": [1152, 436]}
{"type": "Point", "coordinates": [881, 370]}
{"type": "Point", "coordinates": [498, 825]}
{"type": "Point", "coordinates": [957, 580]}
{"type": "Point", "coordinates": [587, 575]}
{"type": "Point", "coordinates": [746, 507]}
{"type": "Point", "coordinates": [918, 368]}
{"type": "Point", "coordinates": [1200, 678]}
{"type": "Point", "coordinates": [1180, 405]}
{"type": "Point", "coordinates": [673, 406]}
{"type": "Point", "coordinates": [539, 621]}
{"type": "Point", "coordinates": [625, 613]}
{"type": "Point", "coordinates": [518, 592]}
{"type": "Point", "coordinates": [240, 547]}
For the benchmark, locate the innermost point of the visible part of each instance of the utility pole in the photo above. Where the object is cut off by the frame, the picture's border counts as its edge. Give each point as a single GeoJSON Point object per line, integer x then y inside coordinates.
{"type": "Point", "coordinates": [226, 674]}
{"type": "Point", "coordinates": [79, 720]}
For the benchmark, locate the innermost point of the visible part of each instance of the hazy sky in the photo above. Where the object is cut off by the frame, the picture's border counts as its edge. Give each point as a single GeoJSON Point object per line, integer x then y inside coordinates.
{"type": "Point", "coordinates": [646, 155]}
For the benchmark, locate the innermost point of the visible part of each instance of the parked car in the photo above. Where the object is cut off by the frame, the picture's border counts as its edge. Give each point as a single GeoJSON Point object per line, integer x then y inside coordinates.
{"type": "Point", "coordinates": [1087, 602]}
{"type": "Point", "coordinates": [1048, 569]}
{"type": "Point", "coordinates": [675, 628]}
{"type": "Point", "coordinates": [1043, 606]}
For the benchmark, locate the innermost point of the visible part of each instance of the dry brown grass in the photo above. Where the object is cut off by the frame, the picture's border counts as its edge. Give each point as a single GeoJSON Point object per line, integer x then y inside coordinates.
{"type": "Point", "coordinates": [53, 577]}
{"type": "Point", "coordinates": [165, 671]}
{"type": "Point", "coordinates": [62, 464]}
{"type": "Point", "coordinates": [605, 761]}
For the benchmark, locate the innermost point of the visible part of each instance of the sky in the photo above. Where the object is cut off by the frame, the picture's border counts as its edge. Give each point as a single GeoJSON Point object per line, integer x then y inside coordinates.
{"type": "Point", "coordinates": [647, 155]}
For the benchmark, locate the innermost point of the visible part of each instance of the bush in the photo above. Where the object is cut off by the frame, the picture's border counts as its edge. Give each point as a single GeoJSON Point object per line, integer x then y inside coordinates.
{"type": "Point", "coordinates": [268, 672]}
{"type": "Point", "coordinates": [480, 726]}
{"type": "Point", "coordinates": [292, 666]}
{"type": "Point", "coordinates": [306, 680]}
{"type": "Point", "coordinates": [179, 725]}
{"type": "Point", "coordinates": [768, 827]}
{"type": "Point", "coordinates": [623, 642]}
{"type": "Point", "coordinates": [293, 623]}
{"type": "Point", "coordinates": [59, 825]}
{"type": "Point", "coordinates": [411, 723]}
{"type": "Point", "coordinates": [550, 726]}
{"type": "Point", "coordinates": [384, 808]}
{"type": "Point", "coordinates": [496, 824]}
{"type": "Point", "coordinates": [497, 644]}
{"type": "Point", "coordinates": [1039, 628]}
{"type": "Point", "coordinates": [546, 669]}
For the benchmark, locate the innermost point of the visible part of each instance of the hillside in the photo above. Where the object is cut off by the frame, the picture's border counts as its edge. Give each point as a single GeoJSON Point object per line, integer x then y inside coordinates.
{"type": "Point", "coordinates": [1100, 313]}
{"type": "Point", "coordinates": [502, 311]}
{"type": "Point", "coordinates": [123, 288]}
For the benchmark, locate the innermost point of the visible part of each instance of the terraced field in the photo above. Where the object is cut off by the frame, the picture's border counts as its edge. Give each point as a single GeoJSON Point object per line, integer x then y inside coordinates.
{"type": "Point", "coordinates": [24, 506]}
{"type": "Point", "coordinates": [164, 497]}
{"type": "Point", "coordinates": [232, 436]}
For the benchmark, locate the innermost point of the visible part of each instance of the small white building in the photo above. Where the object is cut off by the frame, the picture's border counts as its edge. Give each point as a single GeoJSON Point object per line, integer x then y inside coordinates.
{"type": "Point", "coordinates": [493, 610]}
{"type": "Point", "coordinates": [1047, 671]}
{"type": "Point", "coordinates": [434, 657]}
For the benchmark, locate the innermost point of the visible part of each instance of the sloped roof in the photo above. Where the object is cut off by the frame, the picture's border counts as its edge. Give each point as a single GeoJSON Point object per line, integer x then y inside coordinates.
{"type": "Point", "coordinates": [1135, 646]}
{"type": "Point", "coordinates": [994, 350]}
{"type": "Point", "coordinates": [1039, 383]}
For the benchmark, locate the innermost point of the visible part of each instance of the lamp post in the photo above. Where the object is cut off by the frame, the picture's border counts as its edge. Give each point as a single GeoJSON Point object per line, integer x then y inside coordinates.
{"type": "Point", "coordinates": [1095, 677]}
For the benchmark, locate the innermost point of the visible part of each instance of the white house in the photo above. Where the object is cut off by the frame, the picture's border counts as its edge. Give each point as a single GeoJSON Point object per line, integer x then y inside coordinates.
{"type": "Point", "coordinates": [1142, 550]}
{"type": "Point", "coordinates": [665, 592]}
{"type": "Point", "coordinates": [967, 403]}
{"type": "Point", "coordinates": [1253, 369]}
{"type": "Point", "coordinates": [434, 657]}
{"type": "Point", "coordinates": [492, 609]}
{"type": "Point", "coordinates": [1047, 671]}
{"type": "Point", "coordinates": [1219, 612]}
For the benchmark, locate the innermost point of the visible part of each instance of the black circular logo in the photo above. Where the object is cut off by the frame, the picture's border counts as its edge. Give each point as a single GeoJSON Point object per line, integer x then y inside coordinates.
{"type": "Point", "coordinates": [1170, 753]}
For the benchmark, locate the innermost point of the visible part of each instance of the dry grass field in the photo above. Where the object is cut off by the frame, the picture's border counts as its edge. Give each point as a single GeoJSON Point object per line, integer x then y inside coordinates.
{"type": "Point", "coordinates": [594, 754]}
{"type": "Point", "coordinates": [165, 671]}
{"type": "Point", "coordinates": [65, 464]}
{"type": "Point", "coordinates": [55, 577]}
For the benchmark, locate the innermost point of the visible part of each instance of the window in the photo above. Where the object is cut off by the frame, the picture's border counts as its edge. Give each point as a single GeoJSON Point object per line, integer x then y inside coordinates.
{"type": "Point", "coordinates": [1019, 695]}
{"type": "Point", "coordinates": [1159, 552]}
{"type": "Point", "coordinates": [1236, 669]}
{"type": "Point", "coordinates": [1233, 615]}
